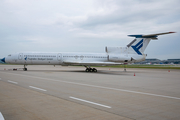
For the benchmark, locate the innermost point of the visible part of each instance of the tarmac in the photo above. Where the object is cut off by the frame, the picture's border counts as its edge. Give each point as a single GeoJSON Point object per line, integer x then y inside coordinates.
{"type": "Point", "coordinates": [70, 93]}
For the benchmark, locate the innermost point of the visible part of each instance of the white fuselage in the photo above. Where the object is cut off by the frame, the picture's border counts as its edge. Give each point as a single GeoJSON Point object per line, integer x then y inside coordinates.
{"type": "Point", "coordinates": [70, 58]}
{"type": "Point", "coordinates": [53, 58]}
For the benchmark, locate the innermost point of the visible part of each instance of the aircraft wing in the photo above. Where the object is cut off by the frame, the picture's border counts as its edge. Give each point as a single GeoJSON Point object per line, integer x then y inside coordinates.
{"type": "Point", "coordinates": [91, 63]}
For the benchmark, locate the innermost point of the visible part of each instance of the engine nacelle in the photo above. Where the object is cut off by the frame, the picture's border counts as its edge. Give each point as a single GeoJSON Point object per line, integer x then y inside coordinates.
{"type": "Point", "coordinates": [119, 58]}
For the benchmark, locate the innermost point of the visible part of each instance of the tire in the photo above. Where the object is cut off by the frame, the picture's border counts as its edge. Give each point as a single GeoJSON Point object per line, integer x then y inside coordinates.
{"type": "Point", "coordinates": [94, 70]}
{"type": "Point", "coordinates": [25, 69]}
{"type": "Point", "coordinates": [87, 70]}
{"type": "Point", "coordinates": [91, 70]}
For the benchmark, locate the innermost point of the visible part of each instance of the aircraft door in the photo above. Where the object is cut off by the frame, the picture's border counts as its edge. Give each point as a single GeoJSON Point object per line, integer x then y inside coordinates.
{"type": "Point", "coordinates": [20, 56]}
{"type": "Point", "coordinates": [59, 57]}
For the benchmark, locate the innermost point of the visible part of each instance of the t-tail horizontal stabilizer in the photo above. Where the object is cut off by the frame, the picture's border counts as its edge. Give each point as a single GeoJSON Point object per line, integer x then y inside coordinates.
{"type": "Point", "coordinates": [150, 35]}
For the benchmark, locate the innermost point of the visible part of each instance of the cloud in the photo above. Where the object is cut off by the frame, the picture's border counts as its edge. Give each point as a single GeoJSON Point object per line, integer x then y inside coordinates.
{"type": "Point", "coordinates": [130, 11]}
{"type": "Point", "coordinates": [85, 25]}
{"type": "Point", "coordinates": [116, 19]}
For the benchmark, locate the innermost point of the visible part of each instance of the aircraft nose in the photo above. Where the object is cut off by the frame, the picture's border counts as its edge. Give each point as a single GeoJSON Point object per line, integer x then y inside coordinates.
{"type": "Point", "coordinates": [3, 60]}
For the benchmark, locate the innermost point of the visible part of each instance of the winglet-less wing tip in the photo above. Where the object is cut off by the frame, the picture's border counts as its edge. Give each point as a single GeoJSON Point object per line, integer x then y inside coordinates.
{"type": "Point", "coordinates": [172, 32]}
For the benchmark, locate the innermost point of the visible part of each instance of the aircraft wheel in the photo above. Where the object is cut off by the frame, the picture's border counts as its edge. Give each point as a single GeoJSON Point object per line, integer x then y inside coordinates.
{"type": "Point", "coordinates": [94, 70]}
{"type": "Point", "coordinates": [91, 70]}
{"type": "Point", "coordinates": [25, 69]}
{"type": "Point", "coordinates": [87, 70]}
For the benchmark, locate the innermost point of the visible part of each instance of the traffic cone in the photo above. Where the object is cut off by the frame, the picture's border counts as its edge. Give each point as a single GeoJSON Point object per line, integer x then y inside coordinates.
{"type": "Point", "coordinates": [134, 74]}
{"type": "Point", "coordinates": [168, 70]}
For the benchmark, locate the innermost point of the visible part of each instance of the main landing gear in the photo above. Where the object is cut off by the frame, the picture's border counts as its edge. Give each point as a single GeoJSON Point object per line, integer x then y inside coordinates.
{"type": "Point", "coordinates": [25, 69]}
{"type": "Point", "coordinates": [89, 69]}
{"type": "Point", "coordinates": [124, 67]}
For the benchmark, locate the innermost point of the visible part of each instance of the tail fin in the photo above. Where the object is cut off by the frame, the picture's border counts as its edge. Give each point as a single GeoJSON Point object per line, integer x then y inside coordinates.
{"type": "Point", "coordinates": [138, 45]}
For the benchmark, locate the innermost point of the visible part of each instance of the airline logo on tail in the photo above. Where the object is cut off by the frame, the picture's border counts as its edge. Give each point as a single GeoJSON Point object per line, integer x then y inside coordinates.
{"type": "Point", "coordinates": [137, 47]}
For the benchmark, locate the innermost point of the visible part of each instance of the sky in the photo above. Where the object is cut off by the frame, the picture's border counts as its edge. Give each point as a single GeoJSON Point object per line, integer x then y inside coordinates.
{"type": "Point", "coordinates": [88, 25]}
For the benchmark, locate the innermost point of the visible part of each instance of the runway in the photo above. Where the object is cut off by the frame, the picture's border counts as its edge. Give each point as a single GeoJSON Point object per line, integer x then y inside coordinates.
{"type": "Point", "coordinates": [48, 92]}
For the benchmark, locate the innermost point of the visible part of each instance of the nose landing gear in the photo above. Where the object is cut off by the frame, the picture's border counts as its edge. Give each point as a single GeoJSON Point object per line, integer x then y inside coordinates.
{"type": "Point", "coordinates": [25, 69]}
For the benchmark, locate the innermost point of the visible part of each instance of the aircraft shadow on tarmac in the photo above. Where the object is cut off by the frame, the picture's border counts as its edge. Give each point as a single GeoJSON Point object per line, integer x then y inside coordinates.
{"type": "Point", "coordinates": [107, 72]}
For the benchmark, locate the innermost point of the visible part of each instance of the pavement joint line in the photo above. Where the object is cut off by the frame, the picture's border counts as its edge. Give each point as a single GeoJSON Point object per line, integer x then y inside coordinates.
{"type": "Point", "coordinates": [12, 82]}
{"type": "Point", "coordinates": [1, 116]}
{"type": "Point", "coordinates": [102, 87]}
{"type": "Point", "coordinates": [89, 102]}
{"type": "Point", "coordinates": [37, 88]}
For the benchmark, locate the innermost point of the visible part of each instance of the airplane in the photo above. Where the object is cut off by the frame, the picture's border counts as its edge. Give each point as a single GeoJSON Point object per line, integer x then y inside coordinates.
{"type": "Point", "coordinates": [133, 52]}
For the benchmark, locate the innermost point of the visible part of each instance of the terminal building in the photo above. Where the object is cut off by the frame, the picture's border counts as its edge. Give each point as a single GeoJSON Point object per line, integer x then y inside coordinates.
{"type": "Point", "coordinates": [175, 61]}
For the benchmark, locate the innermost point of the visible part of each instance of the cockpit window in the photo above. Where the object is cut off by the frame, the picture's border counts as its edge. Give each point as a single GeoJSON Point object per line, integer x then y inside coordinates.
{"type": "Point", "coordinates": [9, 55]}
